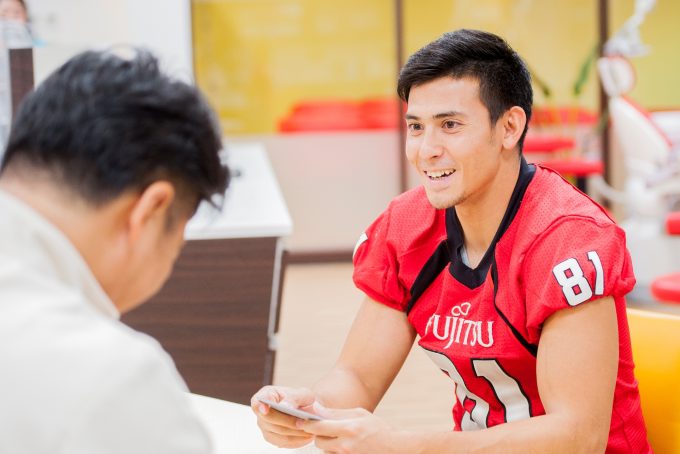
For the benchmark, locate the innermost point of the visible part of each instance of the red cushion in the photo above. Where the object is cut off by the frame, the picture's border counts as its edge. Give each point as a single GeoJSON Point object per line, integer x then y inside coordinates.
{"type": "Point", "coordinates": [673, 223]}
{"type": "Point", "coordinates": [342, 115]}
{"type": "Point", "coordinates": [323, 115]}
{"type": "Point", "coordinates": [381, 113]}
{"type": "Point", "coordinates": [324, 106]}
{"type": "Point", "coordinates": [667, 288]}
{"type": "Point", "coordinates": [533, 144]}
{"type": "Point", "coordinates": [300, 123]}
{"type": "Point", "coordinates": [566, 115]}
{"type": "Point", "coordinates": [574, 167]}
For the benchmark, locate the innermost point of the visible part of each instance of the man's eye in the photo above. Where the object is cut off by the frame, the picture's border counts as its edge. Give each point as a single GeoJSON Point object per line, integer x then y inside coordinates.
{"type": "Point", "coordinates": [450, 124]}
{"type": "Point", "coordinates": [414, 127]}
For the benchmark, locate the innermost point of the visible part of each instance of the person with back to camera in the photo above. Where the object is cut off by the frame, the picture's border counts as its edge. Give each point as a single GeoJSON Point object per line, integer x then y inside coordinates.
{"type": "Point", "coordinates": [14, 10]}
{"type": "Point", "coordinates": [512, 279]}
{"type": "Point", "coordinates": [106, 161]}
{"type": "Point", "coordinates": [15, 25]}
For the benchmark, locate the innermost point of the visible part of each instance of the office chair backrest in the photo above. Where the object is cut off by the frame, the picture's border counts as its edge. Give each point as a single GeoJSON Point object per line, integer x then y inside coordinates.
{"type": "Point", "coordinates": [644, 146]}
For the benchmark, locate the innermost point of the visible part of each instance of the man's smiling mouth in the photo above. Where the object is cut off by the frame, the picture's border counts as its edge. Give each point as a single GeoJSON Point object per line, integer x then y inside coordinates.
{"type": "Point", "coordinates": [438, 174]}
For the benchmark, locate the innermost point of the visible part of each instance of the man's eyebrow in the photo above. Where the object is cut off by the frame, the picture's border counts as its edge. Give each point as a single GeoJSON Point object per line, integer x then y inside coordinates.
{"type": "Point", "coordinates": [450, 113]}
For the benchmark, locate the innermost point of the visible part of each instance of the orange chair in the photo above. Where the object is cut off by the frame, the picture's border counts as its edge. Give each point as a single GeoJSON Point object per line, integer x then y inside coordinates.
{"type": "Point", "coordinates": [655, 339]}
{"type": "Point", "coordinates": [666, 288]}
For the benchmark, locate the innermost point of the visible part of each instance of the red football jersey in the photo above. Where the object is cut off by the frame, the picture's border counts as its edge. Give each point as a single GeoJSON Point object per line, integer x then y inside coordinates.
{"type": "Point", "coordinates": [554, 249]}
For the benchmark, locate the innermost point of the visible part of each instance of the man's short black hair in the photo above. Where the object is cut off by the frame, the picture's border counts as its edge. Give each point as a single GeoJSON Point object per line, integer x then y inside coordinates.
{"type": "Point", "coordinates": [504, 80]}
{"type": "Point", "coordinates": [106, 123]}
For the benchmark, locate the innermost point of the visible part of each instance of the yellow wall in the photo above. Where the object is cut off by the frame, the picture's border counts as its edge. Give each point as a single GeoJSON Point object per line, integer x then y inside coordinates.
{"type": "Point", "coordinates": [256, 58]}
{"type": "Point", "coordinates": [658, 72]}
{"type": "Point", "coordinates": [554, 37]}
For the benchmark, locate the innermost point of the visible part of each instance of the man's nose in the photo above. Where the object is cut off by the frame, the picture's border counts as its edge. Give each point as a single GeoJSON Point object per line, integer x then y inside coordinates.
{"type": "Point", "coordinates": [431, 146]}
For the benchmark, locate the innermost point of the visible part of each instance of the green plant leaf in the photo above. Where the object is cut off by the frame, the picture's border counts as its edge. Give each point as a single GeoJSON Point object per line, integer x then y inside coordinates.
{"type": "Point", "coordinates": [584, 72]}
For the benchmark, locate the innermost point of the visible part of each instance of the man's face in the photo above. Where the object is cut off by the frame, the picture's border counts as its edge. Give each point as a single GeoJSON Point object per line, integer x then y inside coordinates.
{"type": "Point", "coordinates": [12, 10]}
{"type": "Point", "coordinates": [152, 263]}
{"type": "Point", "coordinates": [450, 141]}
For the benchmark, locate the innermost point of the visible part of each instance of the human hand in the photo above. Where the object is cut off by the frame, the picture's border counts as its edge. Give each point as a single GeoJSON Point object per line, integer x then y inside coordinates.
{"type": "Point", "coordinates": [353, 431]}
{"type": "Point", "coordinates": [278, 428]}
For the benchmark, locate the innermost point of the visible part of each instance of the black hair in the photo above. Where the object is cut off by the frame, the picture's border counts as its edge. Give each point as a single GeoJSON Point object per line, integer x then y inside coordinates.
{"type": "Point", "coordinates": [504, 80]}
{"type": "Point", "coordinates": [104, 124]}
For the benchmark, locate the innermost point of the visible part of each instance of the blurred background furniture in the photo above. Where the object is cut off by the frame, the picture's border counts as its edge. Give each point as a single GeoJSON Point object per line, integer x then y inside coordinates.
{"type": "Point", "coordinates": [652, 171]}
{"type": "Point", "coordinates": [652, 178]}
{"type": "Point", "coordinates": [565, 139]}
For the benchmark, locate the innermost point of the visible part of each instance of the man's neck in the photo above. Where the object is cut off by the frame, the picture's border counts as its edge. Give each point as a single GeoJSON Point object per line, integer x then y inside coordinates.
{"type": "Point", "coordinates": [88, 229]}
{"type": "Point", "coordinates": [481, 217]}
{"type": "Point", "coordinates": [49, 199]}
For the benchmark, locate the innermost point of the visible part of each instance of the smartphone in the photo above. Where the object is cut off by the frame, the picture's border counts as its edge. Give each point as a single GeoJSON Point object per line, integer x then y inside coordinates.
{"type": "Point", "coordinates": [291, 411]}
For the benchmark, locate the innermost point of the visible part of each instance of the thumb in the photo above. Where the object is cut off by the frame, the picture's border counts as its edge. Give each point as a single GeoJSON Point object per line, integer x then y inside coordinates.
{"type": "Point", "coordinates": [338, 413]}
{"type": "Point", "coordinates": [298, 397]}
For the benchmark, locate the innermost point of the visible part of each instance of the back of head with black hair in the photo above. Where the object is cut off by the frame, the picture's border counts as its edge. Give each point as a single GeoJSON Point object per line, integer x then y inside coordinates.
{"type": "Point", "coordinates": [504, 80]}
{"type": "Point", "coordinates": [103, 124]}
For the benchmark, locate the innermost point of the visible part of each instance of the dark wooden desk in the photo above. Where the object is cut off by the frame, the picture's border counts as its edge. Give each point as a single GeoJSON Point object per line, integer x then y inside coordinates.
{"type": "Point", "coordinates": [212, 316]}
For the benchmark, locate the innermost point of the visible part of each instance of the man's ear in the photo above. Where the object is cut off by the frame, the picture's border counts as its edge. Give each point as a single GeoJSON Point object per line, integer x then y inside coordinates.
{"type": "Point", "coordinates": [151, 209]}
{"type": "Point", "coordinates": [514, 120]}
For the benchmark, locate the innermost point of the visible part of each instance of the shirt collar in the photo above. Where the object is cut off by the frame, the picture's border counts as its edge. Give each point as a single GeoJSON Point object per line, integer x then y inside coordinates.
{"type": "Point", "coordinates": [28, 237]}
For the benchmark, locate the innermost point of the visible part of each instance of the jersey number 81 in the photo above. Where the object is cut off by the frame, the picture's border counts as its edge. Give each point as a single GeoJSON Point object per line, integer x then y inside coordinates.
{"type": "Point", "coordinates": [575, 286]}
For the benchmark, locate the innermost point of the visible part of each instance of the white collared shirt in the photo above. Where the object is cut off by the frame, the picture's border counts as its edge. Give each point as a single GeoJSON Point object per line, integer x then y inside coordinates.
{"type": "Point", "coordinates": [73, 378]}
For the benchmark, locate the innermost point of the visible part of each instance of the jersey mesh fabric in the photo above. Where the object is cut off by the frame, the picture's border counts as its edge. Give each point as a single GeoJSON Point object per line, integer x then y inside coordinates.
{"type": "Point", "coordinates": [560, 250]}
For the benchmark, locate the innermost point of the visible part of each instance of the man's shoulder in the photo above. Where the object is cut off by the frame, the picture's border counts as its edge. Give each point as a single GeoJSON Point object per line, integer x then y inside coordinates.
{"type": "Point", "coordinates": [414, 198]}
{"type": "Point", "coordinates": [94, 345]}
{"type": "Point", "coordinates": [44, 315]}
{"type": "Point", "coordinates": [64, 339]}
{"type": "Point", "coordinates": [410, 221]}
{"type": "Point", "coordinates": [135, 386]}
{"type": "Point", "coordinates": [553, 202]}
{"type": "Point", "coordinates": [60, 363]}
{"type": "Point", "coordinates": [117, 352]}
{"type": "Point", "coordinates": [411, 211]}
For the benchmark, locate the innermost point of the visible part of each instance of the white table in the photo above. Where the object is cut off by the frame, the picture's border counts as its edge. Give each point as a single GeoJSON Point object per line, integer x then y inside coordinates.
{"type": "Point", "coordinates": [234, 430]}
{"type": "Point", "coordinates": [253, 206]}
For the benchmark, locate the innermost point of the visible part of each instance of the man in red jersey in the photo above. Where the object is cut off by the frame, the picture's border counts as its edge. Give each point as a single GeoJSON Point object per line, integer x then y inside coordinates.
{"type": "Point", "coordinates": [512, 279]}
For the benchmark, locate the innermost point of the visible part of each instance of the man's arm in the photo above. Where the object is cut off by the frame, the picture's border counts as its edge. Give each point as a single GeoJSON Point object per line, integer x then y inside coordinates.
{"type": "Point", "coordinates": [576, 370]}
{"type": "Point", "coordinates": [375, 349]}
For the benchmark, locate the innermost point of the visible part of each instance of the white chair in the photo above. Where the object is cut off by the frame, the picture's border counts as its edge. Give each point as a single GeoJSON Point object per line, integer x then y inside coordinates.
{"type": "Point", "coordinates": [652, 184]}
{"type": "Point", "coordinates": [652, 170]}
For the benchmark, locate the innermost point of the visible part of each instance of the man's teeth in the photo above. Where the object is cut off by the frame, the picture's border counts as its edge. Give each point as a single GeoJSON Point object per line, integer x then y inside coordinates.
{"type": "Point", "coordinates": [439, 173]}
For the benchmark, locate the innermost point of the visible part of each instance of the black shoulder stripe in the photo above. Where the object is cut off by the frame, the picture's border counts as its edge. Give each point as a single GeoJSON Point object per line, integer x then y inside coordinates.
{"type": "Point", "coordinates": [531, 348]}
{"type": "Point", "coordinates": [432, 268]}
